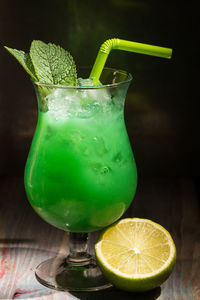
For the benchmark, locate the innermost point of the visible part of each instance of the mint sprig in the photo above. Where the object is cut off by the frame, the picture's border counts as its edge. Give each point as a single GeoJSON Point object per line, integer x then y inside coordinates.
{"type": "Point", "coordinates": [53, 64]}
{"type": "Point", "coordinates": [47, 63]}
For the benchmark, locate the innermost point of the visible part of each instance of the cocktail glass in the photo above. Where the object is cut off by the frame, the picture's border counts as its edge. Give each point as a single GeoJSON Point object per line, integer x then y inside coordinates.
{"type": "Point", "coordinates": [80, 174]}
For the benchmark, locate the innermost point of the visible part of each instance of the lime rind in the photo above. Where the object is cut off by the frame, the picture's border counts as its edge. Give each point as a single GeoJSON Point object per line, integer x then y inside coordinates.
{"type": "Point", "coordinates": [171, 244]}
{"type": "Point", "coordinates": [136, 282]}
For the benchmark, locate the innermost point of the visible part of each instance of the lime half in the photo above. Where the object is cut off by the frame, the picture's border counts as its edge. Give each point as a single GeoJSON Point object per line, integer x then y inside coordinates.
{"type": "Point", "coordinates": [136, 254]}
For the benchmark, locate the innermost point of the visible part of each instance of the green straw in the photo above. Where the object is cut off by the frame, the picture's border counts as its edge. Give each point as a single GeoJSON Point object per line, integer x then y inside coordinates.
{"type": "Point", "coordinates": [118, 44]}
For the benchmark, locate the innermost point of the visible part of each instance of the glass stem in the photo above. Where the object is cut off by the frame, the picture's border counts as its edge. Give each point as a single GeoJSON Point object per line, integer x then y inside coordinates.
{"type": "Point", "coordinates": [78, 249]}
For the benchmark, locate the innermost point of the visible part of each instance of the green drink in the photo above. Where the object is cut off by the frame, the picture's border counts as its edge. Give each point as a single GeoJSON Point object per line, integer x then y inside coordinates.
{"type": "Point", "coordinates": [80, 175]}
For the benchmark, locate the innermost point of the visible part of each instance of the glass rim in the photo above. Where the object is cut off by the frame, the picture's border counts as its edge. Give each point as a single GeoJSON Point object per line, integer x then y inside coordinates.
{"type": "Point", "coordinates": [110, 85]}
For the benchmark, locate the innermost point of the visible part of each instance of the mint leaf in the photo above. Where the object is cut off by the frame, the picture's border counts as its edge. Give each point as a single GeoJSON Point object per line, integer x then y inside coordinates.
{"type": "Point", "coordinates": [24, 59]}
{"type": "Point", "coordinates": [53, 64]}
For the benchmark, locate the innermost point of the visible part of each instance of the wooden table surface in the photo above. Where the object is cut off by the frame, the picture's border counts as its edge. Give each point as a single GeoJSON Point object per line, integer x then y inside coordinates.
{"type": "Point", "coordinates": [26, 240]}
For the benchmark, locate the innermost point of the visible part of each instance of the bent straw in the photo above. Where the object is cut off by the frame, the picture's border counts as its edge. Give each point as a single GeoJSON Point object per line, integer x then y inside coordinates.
{"type": "Point", "coordinates": [118, 44]}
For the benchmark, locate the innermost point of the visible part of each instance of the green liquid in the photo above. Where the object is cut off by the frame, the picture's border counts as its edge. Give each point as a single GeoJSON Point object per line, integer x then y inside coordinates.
{"type": "Point", "coordinates": [80, 174]}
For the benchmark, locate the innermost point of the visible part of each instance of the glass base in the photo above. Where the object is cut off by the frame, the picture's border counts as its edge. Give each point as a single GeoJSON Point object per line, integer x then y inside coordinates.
{"type": "Point", "coordinates": [60, 274]}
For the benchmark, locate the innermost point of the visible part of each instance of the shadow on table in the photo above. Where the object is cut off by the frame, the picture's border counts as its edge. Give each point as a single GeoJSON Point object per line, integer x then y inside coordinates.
{"type": "Point", "coordinates": [111, 294]}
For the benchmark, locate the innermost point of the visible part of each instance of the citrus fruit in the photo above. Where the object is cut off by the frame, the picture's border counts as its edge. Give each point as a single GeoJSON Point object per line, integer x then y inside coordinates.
{"type": "Point", "coordinates": [136, 254]}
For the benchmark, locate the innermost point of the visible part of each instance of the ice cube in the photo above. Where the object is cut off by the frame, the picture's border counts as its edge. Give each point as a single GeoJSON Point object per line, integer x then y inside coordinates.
{"type": "Point", "coordinates": [99, 96]}
{"type": "Point", "coordinates": [63, 103]}
{"type": "Point", "coordinates": [84, 103]}
{"type": "Point", "coordinates": [86, 82]}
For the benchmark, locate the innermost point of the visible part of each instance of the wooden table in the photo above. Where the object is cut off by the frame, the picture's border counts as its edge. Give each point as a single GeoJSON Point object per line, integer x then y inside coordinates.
{"type": "Point", "coordinates": [25, 240]}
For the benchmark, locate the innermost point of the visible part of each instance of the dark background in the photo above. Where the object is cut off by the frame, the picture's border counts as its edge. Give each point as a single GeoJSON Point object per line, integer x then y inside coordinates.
{"type": "Point", "coordinates": [161, 112]}
{"type": "Point", "coordinates": [162, 105]}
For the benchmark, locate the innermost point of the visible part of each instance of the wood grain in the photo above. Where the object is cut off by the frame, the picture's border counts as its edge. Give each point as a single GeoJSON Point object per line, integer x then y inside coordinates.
{"type": "Point", "coordinates": [26, 240]}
